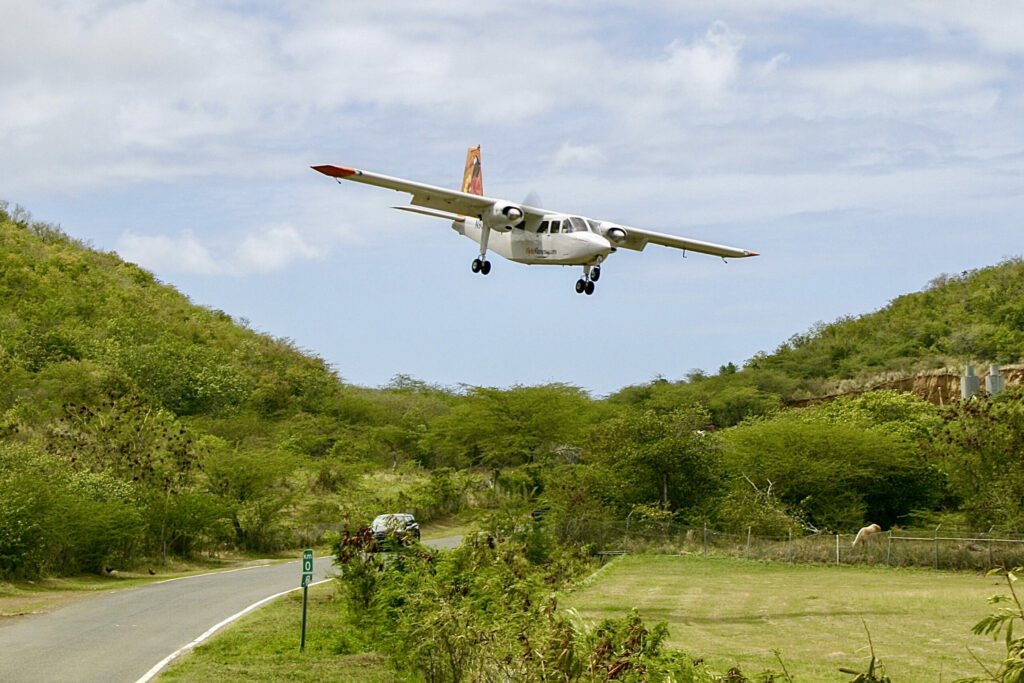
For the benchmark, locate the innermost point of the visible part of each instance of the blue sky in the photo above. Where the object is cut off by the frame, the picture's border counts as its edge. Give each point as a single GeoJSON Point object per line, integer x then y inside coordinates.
{"type": "Point", "coordinates": [861, 147]}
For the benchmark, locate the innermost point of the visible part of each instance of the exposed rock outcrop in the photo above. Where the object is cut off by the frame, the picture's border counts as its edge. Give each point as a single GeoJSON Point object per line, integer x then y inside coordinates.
{"type": "Point", "coordinates": [938, 387]}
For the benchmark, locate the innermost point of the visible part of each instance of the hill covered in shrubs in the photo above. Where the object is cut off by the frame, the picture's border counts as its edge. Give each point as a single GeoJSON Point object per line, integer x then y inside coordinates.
{"type": "Point", "coordinates": [973, 318]}
{"type": "Point", "coordinates": [135, 424]}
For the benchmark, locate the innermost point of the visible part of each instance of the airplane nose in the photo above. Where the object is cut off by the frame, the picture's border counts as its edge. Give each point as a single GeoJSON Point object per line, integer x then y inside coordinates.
{"type": "Point", "coordinates": [597, 244]}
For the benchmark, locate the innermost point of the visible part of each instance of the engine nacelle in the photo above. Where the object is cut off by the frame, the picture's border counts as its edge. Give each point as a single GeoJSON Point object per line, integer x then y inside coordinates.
{"type": "Point", "coordinates": [503, 216]}
{"type": "Point", "coordinates": [615, 235]}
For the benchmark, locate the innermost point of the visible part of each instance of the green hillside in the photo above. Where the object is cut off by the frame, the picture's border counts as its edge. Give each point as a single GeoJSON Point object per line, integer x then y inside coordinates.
{"type": "Point", "coordinates": [77, 325]}
{"type": "Point", "coordinates": [135, 425]}
{"type": "Point", "coordinates": [976, 317]}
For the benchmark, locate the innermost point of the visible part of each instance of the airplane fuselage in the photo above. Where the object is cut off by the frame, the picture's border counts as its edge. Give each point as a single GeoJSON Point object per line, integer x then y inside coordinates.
{"type": "Point", "coordinates": [578, 245]}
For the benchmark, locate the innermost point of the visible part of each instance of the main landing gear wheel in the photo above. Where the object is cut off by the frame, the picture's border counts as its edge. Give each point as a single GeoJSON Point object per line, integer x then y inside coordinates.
{"type": "Point", "coordinates": [481, 266]}
{"type": "Point", "coordinates": [584, 286]}
{"type": "Point", "coordinates": [595, 273]}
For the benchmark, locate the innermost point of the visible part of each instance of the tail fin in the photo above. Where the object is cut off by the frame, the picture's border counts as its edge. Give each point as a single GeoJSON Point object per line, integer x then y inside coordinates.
{"type": "Point", "coordinates": [472, 178]}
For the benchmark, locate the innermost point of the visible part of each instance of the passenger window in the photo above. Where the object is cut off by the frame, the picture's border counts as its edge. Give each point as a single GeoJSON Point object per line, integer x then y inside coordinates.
{"type": "Point", "coordinates": [554, 226]}
{"type": "Point", "coordinates": [543, 227]}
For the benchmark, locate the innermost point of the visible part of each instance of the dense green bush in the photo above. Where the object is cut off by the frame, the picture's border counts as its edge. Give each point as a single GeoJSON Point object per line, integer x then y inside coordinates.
{"type": "Point", "coordinates": [832, 475]}
{"type": "Point", "coordinates": [62, 521]}
{"type": "Point", "coordinates": [488, 611]}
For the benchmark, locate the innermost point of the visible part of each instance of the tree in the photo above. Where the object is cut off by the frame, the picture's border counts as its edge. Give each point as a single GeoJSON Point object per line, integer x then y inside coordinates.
{"type": "Point", "coordinates": [255, 488]}
{"type": "Point", "coordinates": [652, 457]}
{"type": "Point", "coordinates": [981, 448]}
{"type": "Point", "coordinates": [508, 427]}
{"type": "Point", "coordinates": [832, 473]}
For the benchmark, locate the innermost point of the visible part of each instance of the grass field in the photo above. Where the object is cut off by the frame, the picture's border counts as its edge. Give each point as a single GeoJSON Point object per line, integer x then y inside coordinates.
{"type": "Point", "coordinates": [730, 612]}
{"type": "Point", "coordinates": [264, 646]}
{"type": "Point", "coordinates": [735, 612]}
{"type": "Point", "coordinates": [454, 526]}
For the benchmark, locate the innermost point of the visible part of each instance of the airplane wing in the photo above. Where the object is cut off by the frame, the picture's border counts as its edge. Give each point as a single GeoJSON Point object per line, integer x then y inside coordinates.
{"type": "Point", "coordinates": [637, 239]}
{"type": "Point", "coordinates": [427, 196]}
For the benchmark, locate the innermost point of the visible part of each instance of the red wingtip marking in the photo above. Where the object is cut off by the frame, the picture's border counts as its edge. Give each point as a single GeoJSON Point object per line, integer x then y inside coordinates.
{"type": "Point", "coordinates": [335, 171]}
{"type": "Point", "coordinates": [753, 253]}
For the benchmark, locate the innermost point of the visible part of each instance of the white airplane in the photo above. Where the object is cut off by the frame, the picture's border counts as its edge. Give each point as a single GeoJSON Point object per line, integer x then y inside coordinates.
{"type": "Point", "coordinates": [525, 234]}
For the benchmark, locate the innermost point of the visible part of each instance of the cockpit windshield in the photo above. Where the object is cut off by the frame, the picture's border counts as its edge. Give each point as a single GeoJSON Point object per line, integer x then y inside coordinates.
{"type": "Point", "coordinates": [566, 224]}
{"type": "Point", "coordinates": [578, 224]}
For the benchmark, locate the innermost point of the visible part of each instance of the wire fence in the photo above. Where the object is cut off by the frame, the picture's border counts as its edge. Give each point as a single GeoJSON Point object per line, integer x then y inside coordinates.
{"type": "Point", "coordinates": [938, 548]}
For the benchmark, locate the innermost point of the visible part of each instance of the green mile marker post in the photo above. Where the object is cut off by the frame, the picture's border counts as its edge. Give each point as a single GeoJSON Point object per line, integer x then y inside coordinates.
{"type": "Point", "coordinates": [307, 577]}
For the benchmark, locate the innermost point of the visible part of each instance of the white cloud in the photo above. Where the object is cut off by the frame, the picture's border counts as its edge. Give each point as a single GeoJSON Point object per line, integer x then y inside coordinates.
{"type": "Point", "coordinates": [570, 155]}
{"type": "Point", "coordinates": [182, 254]}
{"type": "Point", "coordinates": [705, 70]}
{"type": "Point", "coordinates": [272, 249]}
{"type": "Point", "coordinates": [926, 81]}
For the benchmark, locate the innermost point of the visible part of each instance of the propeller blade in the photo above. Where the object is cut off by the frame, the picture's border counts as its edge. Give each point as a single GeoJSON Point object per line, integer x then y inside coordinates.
{"type": "Point", "coordinates": [532, 199]}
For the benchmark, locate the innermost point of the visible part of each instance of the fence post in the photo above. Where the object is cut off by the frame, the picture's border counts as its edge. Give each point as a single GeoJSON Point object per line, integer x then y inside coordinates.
{"type": "Point", "coordinates": [989, 534]}
{"type": "Point", "coordinates": [888, 550]}
{"type": "Point", "coordinates": [747, 555]}
{"type": "Point", "coordinates": [705, 539]}
{"type": "Point", "coordinates": [837, 549]}
{"type": "Point", "coordinates": [937, 546]}
{"type": "Point", "coordinates": [791, 546]}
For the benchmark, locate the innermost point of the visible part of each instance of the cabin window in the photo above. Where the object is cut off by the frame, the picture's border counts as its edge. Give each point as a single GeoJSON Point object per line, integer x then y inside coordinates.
{"type": "Point", "coordinates": [555, 225]}
{"type": "Point", "coordinates": [543, 227]}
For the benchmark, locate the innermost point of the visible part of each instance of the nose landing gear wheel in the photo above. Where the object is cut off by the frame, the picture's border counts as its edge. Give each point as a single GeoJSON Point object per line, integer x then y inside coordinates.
{"type": "Point", "coordinates": [486, 267]}
{"type": "Point", "coordinates": [477, 264]}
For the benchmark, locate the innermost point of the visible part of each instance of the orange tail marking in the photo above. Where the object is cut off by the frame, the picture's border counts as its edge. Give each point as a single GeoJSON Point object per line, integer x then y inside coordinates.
{"type": "Point", "coordinates": [473, 179]}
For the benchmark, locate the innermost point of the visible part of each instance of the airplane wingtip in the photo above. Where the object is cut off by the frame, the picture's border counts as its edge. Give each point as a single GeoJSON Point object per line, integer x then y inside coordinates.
{"type": "Point", "coordinates": [334, 171]}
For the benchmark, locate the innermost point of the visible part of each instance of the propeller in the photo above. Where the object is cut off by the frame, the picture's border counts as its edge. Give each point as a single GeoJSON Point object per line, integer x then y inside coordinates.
{"type": "Point", "coordinates": [532, 199]}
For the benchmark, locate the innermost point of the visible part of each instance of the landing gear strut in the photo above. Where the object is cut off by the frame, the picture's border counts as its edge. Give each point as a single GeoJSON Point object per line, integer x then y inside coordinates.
{"type": "Point", "coordinates": [481, 264]}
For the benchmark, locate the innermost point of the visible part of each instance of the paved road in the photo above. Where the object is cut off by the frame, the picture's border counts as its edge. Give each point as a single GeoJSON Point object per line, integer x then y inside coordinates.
{"type": "Point", "coordinates": [122, 635]}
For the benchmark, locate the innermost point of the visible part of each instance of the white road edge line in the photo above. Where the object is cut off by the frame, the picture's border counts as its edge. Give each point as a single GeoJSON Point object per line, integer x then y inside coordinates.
{"type": "Point", "coordinates": [225, 571]}
{"type": "Point", "coordinates": [167, 660]}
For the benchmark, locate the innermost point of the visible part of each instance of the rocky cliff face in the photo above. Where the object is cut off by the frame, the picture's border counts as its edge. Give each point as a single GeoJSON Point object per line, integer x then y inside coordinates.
{"type": "Point", "coordinates": [939, 387]}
